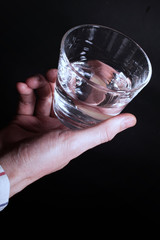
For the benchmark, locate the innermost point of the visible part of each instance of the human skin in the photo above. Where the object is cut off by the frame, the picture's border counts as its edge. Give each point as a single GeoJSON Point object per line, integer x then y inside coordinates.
{"type": "Point", "coordinates": [36, 143]}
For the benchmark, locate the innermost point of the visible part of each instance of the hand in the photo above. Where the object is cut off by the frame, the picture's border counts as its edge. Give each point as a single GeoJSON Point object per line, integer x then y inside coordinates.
{"type": "Point", "coordinates": [36, 143]}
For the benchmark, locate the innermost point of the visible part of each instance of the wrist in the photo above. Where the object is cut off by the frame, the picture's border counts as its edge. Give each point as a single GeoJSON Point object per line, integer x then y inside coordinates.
{"type": "Point", "coordinates": [15, 174]}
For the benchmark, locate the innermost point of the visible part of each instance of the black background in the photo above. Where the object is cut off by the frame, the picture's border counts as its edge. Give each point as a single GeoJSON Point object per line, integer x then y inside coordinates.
{"type": "Point", "coordinates": [121, 177]}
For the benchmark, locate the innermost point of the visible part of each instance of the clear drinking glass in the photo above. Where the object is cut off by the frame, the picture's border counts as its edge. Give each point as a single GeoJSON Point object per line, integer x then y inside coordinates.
{"type": "Point", "coordinates": [100, 71]}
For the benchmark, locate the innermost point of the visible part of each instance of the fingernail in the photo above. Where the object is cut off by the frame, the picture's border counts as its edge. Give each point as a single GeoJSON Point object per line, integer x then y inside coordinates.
{"type": "Point", "coordinates": [128, 122]}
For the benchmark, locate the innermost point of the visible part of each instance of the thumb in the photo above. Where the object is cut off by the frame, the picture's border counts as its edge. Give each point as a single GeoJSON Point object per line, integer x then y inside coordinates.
{"type": "Point", "coordinates": [82, 140]}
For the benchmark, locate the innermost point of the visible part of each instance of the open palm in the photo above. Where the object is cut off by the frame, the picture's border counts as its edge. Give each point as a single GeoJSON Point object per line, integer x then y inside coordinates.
{"type": "Point", "coordinates": [36, 143]}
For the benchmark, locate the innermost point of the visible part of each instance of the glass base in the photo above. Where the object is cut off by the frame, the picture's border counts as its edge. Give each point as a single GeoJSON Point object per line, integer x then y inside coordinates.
{"type": "Point", "coordinates": [69, 115]}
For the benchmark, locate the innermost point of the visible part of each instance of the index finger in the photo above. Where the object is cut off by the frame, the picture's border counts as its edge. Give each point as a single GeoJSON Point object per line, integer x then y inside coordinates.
{"type": "Point", "coordinates": [51, 76]}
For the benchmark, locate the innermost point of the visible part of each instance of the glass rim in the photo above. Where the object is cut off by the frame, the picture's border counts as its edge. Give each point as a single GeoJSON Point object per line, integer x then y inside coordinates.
{"type": "Point", "coordinates": [97, 86]}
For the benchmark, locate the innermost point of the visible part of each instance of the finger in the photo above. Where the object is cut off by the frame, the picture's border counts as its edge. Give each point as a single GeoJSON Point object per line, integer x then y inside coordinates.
{"type": "Point", "coordinates": [82, 140]}
{"type": "Point", "coordinates": [51, 76]}
{"type": "Point", "coordinates": [44, 95]}
{"type": "Point", "coordinates": [27, 99]}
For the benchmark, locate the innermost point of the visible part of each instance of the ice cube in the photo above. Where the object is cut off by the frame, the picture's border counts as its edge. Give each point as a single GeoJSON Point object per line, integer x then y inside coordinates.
{"type": "Point", "coordinates": [120, 82]}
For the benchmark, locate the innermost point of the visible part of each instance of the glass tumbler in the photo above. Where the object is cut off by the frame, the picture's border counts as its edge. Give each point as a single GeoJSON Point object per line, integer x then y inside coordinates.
{"type": "Point", "coordinates": [100, 71]}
